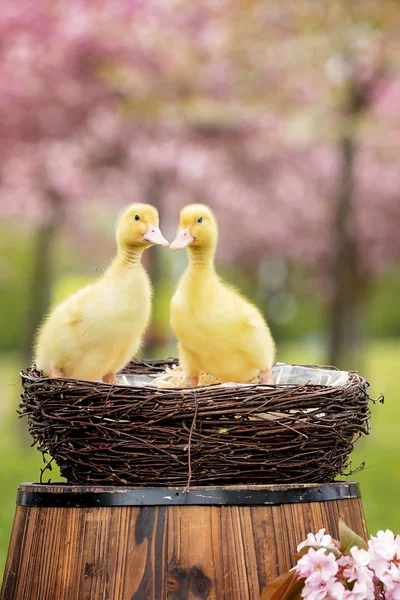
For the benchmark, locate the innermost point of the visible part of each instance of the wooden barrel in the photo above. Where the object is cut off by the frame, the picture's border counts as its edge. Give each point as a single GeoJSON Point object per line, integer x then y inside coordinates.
{"type": "Point", "coordinates": [118, 543]}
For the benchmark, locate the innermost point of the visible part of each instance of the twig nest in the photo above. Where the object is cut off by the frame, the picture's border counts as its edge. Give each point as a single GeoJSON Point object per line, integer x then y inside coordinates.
{"type": "Point", "coordinates": [217, 434]}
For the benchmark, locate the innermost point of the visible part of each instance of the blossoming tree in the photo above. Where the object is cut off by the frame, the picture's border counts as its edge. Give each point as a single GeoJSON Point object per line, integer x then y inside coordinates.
{"type": "Point", "coordinates": [282, 118]}
{"type": "Point", "coordinates": [55, 107]}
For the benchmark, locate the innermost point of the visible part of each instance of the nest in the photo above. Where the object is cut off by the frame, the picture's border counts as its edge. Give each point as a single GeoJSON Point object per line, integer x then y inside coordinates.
{"type": "Point", "coordinates": [212, 435]}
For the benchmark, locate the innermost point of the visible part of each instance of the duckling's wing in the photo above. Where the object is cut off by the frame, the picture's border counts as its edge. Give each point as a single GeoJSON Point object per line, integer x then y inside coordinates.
{"type": "Point", "coordinates": [83, 310]}
{"type": "Point", "coordinates": [241, 310]}
{"type": "Point", "coordinates": [252, 333]}
{"type": "Point", "coordinates": [252, 316]}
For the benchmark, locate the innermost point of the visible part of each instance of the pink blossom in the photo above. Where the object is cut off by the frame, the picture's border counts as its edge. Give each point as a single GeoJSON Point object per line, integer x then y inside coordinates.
{"type": "Point", "coordinates": [311, 592]}
{"type": "Point", "coordinates": [383, 549]}
{"type": "Point", "coordinates": [360, 557]}
{"type": "Point", "coordinates": [391, 582]}
{"type": "Point", "coordinates": [355, 568]}
{"type": "Point", "coordinates": [318, 565]}
{"type": "Point", "coordinates": [332, 590]}
{"type": "Point", "coordinates": [360, 591]}
{"type": "Point", "coordinates": [319, 539]}
{"type": "Point", "coordinates": [336, 591]}
{"type": "Point", "coordinates": [361, 575]}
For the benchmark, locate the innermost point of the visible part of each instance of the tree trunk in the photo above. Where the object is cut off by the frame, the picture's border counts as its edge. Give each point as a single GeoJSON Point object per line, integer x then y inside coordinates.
{"type": "Point", "coordinates": [350, 285]}
{"type": "Point", "coordinates": [156, 337]}
{"type": "Point", "coordinates": [40, 288]}
{"type": "Point", "coordinates": [347, 309]}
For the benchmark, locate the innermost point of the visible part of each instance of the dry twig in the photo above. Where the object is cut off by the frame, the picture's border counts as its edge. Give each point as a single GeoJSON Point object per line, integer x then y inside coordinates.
{"type": "Point", "coordinates": [120, 435]}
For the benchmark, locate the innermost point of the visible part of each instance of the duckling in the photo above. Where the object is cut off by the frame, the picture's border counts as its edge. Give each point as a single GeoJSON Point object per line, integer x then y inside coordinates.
{"type": "Point", "coordinates": [219, 332]}
{"type": "Point", "coordinates": [97, 330]}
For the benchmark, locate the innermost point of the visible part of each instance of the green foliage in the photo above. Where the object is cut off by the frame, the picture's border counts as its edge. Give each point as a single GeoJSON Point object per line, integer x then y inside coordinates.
{"type": "Point", "coordinates": [162, 296]}
{"type": "Point", "coordinates": [380, 486]}
{"type": "Point", "coordinates": [294, 313]}
{"type": "Point", "coordinates": [65, 286]}
{"type": "Point", "coordinates": [383, 308]}
{"type": "Point", "coordinates": [14, 284]}
{"type": "Point", "coordinates": [293, 310]}
{"type": "Point", "coordinates": [349, 539]}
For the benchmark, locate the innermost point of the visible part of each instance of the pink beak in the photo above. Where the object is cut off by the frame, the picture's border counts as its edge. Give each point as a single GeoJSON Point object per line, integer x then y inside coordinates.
{"type": "Point", "coordinates": [154, 236]}
{"type": "Point", "coordinates": [184, 238]}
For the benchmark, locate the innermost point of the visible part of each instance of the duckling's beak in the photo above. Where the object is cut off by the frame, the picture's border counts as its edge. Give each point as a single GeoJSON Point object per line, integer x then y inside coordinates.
{"type": "Point", "coordinates": [154, 236]}
{"type": "Point", "coordinates": [184, 238]}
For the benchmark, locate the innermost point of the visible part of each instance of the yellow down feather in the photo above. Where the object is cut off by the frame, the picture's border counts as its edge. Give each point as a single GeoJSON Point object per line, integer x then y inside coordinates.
{"type": "Point", "coordinates": [219, 331]}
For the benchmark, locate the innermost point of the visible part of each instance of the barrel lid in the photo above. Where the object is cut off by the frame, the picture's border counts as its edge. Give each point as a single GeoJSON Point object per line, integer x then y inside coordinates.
{"type": "Point", "coordinates": [67, 496]}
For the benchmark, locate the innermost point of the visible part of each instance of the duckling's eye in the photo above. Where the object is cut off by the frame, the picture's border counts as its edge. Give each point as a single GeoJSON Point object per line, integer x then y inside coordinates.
{"type": "Point", "coordinates": [200, 220]}
{"type": "Point", "coordinates": [137, 218]}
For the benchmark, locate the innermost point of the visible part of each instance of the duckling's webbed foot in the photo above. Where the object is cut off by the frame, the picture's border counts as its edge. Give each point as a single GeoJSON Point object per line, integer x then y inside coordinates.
{"type": "Point", "coordinates": [109, 378]}
{"type": "Point", "coordinates": [266, 377]}
{"type": "Point", "coordinates": [192, 381]}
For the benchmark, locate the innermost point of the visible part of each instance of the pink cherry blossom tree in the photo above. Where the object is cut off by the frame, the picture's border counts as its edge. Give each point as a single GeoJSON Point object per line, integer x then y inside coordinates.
{"type": "Point", "coordinates": [282, 117]}
{"type": "Point", "coordinates": [54, 60]}
{"type": "Point", "coordinates": [332, 73]}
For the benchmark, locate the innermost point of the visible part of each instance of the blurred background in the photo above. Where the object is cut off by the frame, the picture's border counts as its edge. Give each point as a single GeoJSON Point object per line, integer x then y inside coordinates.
{"type": "Point", "coordinates": [284, 117]}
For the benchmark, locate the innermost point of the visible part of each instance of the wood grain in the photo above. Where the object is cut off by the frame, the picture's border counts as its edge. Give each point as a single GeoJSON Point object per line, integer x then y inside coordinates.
{"type": "Point", "coordinates": [161, 553]}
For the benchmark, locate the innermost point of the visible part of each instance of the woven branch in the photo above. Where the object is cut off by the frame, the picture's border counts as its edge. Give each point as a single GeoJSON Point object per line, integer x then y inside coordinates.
{"type": "Point", "coordinates": [213, 435]}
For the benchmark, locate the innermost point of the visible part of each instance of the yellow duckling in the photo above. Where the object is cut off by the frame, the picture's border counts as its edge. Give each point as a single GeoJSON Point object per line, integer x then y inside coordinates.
{"type": "Point", "coordinates": [96, 331]}
{"type": "Point", "coordinates": [219, 332]}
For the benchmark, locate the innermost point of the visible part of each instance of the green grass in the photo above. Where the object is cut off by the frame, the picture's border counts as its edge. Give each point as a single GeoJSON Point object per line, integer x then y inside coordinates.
{"type": "Point", "coordinates": [18, 462]}
{"type": "Point", "coordinates": [380, 481]}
